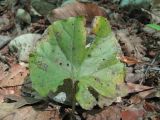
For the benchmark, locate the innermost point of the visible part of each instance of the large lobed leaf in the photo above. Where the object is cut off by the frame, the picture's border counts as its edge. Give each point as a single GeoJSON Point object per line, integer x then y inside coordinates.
{"type": "Point", "coordinates": [64, 55]}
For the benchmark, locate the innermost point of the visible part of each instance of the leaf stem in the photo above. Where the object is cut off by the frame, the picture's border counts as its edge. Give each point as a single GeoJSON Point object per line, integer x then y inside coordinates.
{"type": "Point", "coordinates": [73, 99]}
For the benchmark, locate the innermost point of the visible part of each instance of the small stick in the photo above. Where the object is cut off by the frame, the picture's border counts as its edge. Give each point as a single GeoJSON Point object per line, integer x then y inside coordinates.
{"type": "Point", "coordinates": [153, 61]}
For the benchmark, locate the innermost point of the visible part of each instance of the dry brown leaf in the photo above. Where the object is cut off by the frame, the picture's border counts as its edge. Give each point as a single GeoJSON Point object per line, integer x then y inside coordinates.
{"type": "Point", "coordinates": [135, 99]}
{"type": "Point", "coordinates": [151, 107]}
{"type": "Point", "coordinates": [134, 77]}
{"type": "Point", "coordinates": [76, 9]}
{"type": "Point", "coordinates": [15, 77]}
{"type": "Point", "coordinates": [129, 60]}
{"type": "Point", "coordinates": [7, 91]}
{"type": "Point", "coordinates": [147, 94]}
{"type": "Point", "coordinates": [5, 109]}
{"type": "Point", "coordinates": [8, 112]}
{"type": "Point", "coordinates": [27, 101]}
{"type": "Point", "coordinates": [132, 45]}
{"type": "Point", "coordinates": [109, 113]}
{"type": "Point", "coordinates": [141, 96]}
{"type": "Point", "coordinates": [133, 114]}
{"type": "Point", "coordinates": [137, 88]}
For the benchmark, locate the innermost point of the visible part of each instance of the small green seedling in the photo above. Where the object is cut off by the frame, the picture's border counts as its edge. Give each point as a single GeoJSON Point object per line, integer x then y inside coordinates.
{"type": "Point", "coordinates": [154, 26]}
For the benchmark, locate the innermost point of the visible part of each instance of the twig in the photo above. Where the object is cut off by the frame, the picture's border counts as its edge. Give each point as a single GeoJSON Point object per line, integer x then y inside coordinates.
{"type": "Point", "coordinates": [153, 61]}
{"type": "Point", "coordinates": [16, 85]}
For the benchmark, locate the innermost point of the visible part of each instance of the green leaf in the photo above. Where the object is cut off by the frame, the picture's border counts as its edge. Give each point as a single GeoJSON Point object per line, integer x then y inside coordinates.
{"type": "Point", "coordinates": [154, 26]}
{"type": "Point", "coordinates": [63, 55]}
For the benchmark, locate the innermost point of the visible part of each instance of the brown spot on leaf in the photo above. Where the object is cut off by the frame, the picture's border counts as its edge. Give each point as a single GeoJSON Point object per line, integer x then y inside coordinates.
{"type": "Point", "coordinates": [89, 55]}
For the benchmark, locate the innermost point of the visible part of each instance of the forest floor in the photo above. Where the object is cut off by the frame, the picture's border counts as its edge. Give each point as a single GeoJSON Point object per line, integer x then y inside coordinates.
{"type": "Point", "coordinates": [141, 48]}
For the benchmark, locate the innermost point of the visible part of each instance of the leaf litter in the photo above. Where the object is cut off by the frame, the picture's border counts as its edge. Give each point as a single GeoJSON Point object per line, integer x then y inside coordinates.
{"type": "Point", "coordinates": [140, 47]}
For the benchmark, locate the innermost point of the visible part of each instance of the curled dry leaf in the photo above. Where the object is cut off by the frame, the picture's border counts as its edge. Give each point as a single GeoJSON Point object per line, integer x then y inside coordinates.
{"type": "Point", "coordinates": [76, 9]}
{"type": "Point", "coordinates": [128, 60]}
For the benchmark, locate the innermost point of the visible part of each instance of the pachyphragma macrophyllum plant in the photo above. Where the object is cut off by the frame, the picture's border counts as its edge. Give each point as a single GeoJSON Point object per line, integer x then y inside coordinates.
{"type": "Point", "coordinates": [63, 55]}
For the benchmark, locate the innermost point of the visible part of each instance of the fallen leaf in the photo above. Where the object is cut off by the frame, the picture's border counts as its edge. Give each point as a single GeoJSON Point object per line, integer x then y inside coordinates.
{"type": "Point", "coordinates": [132, 88]}
{"type": "Point", "coordinates": [12, 97]}
{"type": "Point", "coordinates": [138, 98]}
{"type": "Point", "coordinates": [133, 114]}
{"type": "Point", "coordinates": [132, 45]}
{"type": "Point", "coordinates": [134, 77]}
{"type": "Point", "coordinates": [26, 101]}
{"type": "Point", "coordinates": [10, 80]}
{"type": "Point", "coordinates": [151, 107]}
{"type": "Point", "coordinates": [109, 113]}
{"type": "Point", "coordinates": [5, 109]}
{"type": "Point", "coordinates": [147, 94]}
{"type": "Point", "coordinates": [15, 77]}
{"type": "Point", "coordinates": [8, 112]}
{"type": "Point", "coordinates": [135, 99]}
{"type": "Point", "coordinates": [8, 91]}
{"type": "Point", "coordinates": [88, 10]}
{"type": "Point", "coordinates": [129, 60]}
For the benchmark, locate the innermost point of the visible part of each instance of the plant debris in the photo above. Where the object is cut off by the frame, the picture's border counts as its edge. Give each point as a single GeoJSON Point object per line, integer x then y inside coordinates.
{"type": "Point", "coordinates": [139, 42]}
